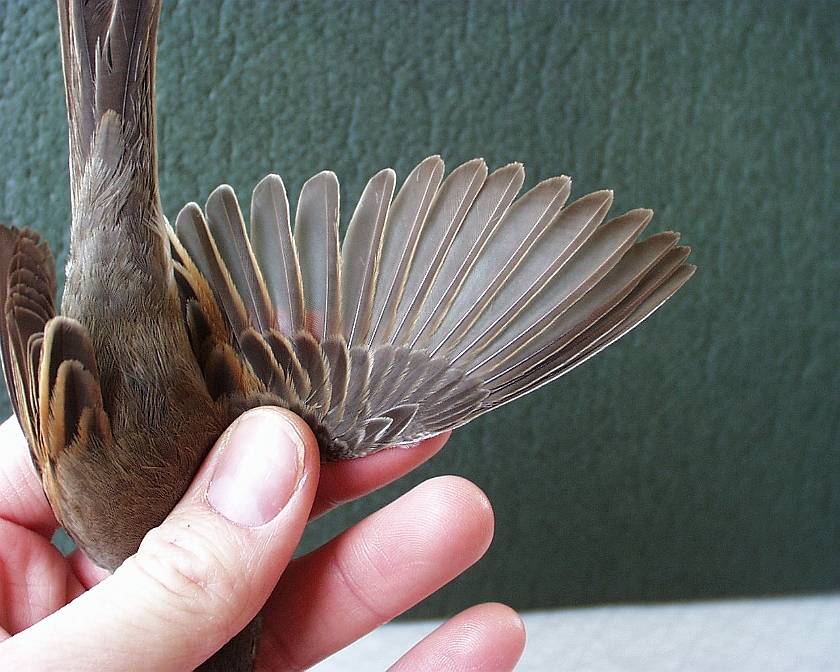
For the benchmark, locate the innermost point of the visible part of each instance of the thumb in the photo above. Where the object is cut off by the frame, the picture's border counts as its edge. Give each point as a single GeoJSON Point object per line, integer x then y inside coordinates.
{"type": "Point", "coordinates": [200, 577]}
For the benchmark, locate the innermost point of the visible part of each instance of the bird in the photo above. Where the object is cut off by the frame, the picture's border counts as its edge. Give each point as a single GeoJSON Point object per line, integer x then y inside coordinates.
{"type": "Point", "coordinates": [445, 299]}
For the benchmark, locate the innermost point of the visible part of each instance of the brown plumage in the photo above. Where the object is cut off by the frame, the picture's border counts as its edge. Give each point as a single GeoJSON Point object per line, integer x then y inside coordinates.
{"type": "Point", "coordinates": [440, 304]}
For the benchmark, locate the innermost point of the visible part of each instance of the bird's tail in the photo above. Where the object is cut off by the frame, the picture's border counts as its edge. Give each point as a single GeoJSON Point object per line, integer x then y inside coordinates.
{"type": "Point", "coordinates": [108, 53]}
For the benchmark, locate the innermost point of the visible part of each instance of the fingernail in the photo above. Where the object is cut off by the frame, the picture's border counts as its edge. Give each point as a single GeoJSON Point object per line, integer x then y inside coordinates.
{"type": "Point", "coordinates": [260, 466]}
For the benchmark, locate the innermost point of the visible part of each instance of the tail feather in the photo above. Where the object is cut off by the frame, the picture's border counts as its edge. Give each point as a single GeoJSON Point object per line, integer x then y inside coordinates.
{"type": "Point", "coordinates": [108, 55]}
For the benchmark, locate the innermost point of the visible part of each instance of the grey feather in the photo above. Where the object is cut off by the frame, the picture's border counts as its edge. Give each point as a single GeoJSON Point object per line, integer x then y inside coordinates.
{"type": "Point", "coordinates": [227, 229]}
{"type": "Point", "coordinates": [402, 229]}
{"type": "Point", "coordinates": [274, 250]}
{"type": "Point", "coordinates": [578, 274]}
{"type": "Point", "coordinates": [496, 195]}
{"type": "Point", "coordinates": [316, 241]}
{"type": "Point", "coordinates": [453, 202]}
{"type": "Point", "coordinates": [451, 300]}
{"type": "Point", "coordinates": [584, 338]}
{"type": "Point", "coordinates": [360, 255]}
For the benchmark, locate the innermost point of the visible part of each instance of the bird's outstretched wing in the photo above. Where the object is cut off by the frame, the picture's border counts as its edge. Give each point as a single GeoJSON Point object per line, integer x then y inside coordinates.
{"type": "Point", "coordinates": [439, 305]}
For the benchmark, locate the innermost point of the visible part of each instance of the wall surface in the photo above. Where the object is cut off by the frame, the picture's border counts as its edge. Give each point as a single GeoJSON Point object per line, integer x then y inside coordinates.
{"type": "Point", "coordinates": [700, 456]}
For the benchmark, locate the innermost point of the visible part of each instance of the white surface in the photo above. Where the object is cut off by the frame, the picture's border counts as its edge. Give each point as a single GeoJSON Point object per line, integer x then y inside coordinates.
{"type": "Point", "coordinates": [767, 635]}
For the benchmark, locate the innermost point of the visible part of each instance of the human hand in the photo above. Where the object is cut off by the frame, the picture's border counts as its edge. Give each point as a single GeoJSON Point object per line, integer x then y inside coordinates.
{"type": "Point", "coordinates": [203, 574]}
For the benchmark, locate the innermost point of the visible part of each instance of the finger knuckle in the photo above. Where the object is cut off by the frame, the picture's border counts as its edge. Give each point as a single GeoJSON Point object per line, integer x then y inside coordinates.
{"type": "Point", "coordinates": [190, 567]}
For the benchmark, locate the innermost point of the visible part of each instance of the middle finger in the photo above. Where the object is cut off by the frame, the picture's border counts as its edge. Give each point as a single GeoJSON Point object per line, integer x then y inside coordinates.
{"type": "Point", "coordinates": [374, 571]}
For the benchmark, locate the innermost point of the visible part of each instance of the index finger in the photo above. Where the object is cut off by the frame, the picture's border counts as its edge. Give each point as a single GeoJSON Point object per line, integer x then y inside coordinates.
{"type": "Point", "coordinates": [346, 480]}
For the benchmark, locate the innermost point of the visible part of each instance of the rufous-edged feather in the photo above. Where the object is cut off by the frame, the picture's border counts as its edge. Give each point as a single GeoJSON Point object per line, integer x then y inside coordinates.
{"type": "Point", "coordinates": [70, 399]}
{"type": "Point", "coordinates": [227, 230]}
{"type": "Point", "coordinates": [195, 236]}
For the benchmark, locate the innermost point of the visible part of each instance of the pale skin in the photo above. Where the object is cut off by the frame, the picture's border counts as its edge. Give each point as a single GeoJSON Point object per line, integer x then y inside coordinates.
{"type": "Point", "coordinates": [203, 574]}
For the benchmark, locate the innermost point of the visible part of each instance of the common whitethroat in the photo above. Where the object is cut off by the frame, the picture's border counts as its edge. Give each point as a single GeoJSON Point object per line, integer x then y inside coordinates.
{"type": "Point", "coordinates": [440, 304]}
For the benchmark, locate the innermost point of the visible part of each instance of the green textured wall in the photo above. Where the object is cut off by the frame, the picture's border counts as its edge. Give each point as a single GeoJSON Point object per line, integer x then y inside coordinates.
{"type": "Point", "coordinates": [700, 457]}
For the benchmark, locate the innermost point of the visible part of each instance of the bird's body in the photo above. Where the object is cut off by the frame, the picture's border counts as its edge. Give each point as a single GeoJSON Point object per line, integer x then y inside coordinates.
{"type": "Point", "coordinates": [151, 418]}
{"type": "Point", "coordinates": [439, 305]}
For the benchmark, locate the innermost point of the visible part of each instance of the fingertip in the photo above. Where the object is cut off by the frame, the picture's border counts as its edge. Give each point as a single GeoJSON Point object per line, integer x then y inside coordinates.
{"type": "Point", "coordinates": [461, 489]}
{"type": "Point", "coordinates": [485, 637]}
{"type": "Point", "coordinates": [260, 467]}
{"type": "Point", "coordinates": [507, 621]}
{"type": "Point", "coordinates": [455, 503]}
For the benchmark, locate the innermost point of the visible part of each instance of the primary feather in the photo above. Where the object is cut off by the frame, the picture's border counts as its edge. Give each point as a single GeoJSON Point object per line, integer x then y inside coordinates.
{"type": "Point", "coordinates": [439, 306]}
